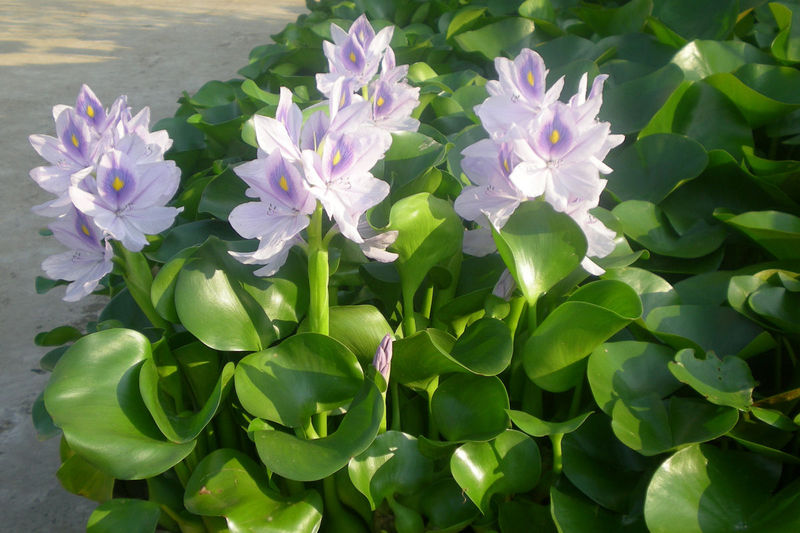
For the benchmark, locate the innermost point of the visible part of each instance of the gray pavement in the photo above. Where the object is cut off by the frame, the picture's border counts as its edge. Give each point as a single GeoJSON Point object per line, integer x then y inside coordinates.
{"type": "Point", "coordinates": [150, 51]}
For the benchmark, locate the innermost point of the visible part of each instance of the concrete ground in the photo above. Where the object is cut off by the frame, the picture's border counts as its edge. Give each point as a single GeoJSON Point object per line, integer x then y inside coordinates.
{"type": "Point", "coordinates": [149, 50]}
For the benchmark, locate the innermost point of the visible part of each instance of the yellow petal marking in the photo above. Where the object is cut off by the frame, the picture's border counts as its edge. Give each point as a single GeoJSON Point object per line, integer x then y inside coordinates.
{"type": "Point", "coordinates": [337, 157]}
{"type": "Point", "coordinates": [530, 78]}
{"type": "Point", "coordinates": [352, 57]}
{"type": "Point", "coordinates": [380, 101]}
{"type": "Point", "coordinates": [505, 164]}
{"type": "Point", "coordinates": [75, 140]}
{"type": "Point", "coordinates": [284, 184]}
{"type": "Point", "coordinates": [117, 184]}
{"type": "Point", "coordinates": [85, 230]}
{"type": "Point", "coordinates": [90, 111]}
{"type": "Point", "coordinates": [554, 137]}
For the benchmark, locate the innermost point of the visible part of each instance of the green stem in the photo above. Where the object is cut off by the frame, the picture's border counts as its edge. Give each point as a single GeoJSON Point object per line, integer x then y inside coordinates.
{"type": "Point", "coordinates": [308, 430]}
{"type": "Point", "coordinates": [556, 440]}
{"type": "Point", "coordinates": [321, 423]}
{"type": "Point", "coordinates": [427, 303]}
{"type": "Point", "coordinates": [138, 278]}
{"type": "Point", "coordinates": [433, 429]}
{"type": "Point", "coordinates": [409, 324]}
{"type": "Point", "coordinates": [517, 306]}
{"type": "Point", "coordinates": [576, 400]}
{"type": "Point", "coordinates": [318, 272]}
{"type": "Point", "coordinates": [395, 392]}
{"type": "Point", "coordinates": [532, 323]}
{"type": "Point", "coordinates": [183, 473]}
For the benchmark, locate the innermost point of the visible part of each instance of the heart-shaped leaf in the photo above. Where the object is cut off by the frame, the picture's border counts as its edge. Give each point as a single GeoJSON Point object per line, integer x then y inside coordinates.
{"type": "Point", "coordinates": [540, 247]}
{"type": "Point", "coordinates": [228, 483]}
{"type": "Point", "coordinates": [306, 374]}
{"type": "Point", "coordinates": [359, 327]}
{"type": "Point", "coordinates": [541, 428]}
{"type": "Point", "coordinates": [421, 358]}
{"type": "Point", "coordinates": [309, 460]}
{"type": "Point", "coordinates": [93, 396]}
{"type": "Point", "coordinates": [124, 515]}
{"type": "Point", "coordinates": [469, 407]}
{"type": "Point", "coordinates": [721, 381]}
{"type": "Point", "coordinates": [506, 465]}
{"type": "Point", "coordinates": [391, 465]}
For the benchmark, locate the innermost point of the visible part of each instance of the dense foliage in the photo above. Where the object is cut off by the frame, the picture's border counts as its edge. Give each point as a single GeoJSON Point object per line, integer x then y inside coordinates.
{"type": "Point", "coordinates": [661, 397]}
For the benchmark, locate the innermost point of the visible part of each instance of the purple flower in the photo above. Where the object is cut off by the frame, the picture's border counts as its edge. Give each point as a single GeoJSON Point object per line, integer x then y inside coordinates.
{"type": "Point", "coordinates": [354, 55]}
{"type": "Point", "coordinates": [280, 214]}
{"type": "Point", "coordinates": [383, 357]}
{"type": "Point", "coordinates": [128, 201]}
{"type": "Point", "coordinates": [88, 259]}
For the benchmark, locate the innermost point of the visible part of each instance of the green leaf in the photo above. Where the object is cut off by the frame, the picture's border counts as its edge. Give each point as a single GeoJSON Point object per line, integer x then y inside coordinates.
{"type": "Point", "coordinates": [218, 300]}
{"type": "Point", "coordinates": [446, 507]}
{"type": "Point", "coordinates": [410, 155]}
{"type": "Point", "coordinates": [628, 18]}
{"type": "Point", "coordinates": [779, 306]}
{"type": "Point", "coordinates": [42, 421]}
{"type": "Point", "coordinates": [162, 291]}
{"type": "Point", "coordinates": [654, 166]}
{"type": "Point", "coordinates": [57, 336]}
{"type": "Point", "coordinates": [519, 515]}
{"type": "Point", "coordinates": [228, 483]}
{"type": "Point", "coordinates": [653, 290]}
{"type": "Point", "coordinates": [306, 374]}
{"type": "Point", "coordinates": [570, 332]}
{"type": "Point", "coordinates": [702, 327]}
{"type": "Point", "coordinates": [463, 20]}
{"type": "Point", "coordinates": [575, 514]}
{"type": "Point", "coordinates": [700, 59]}
{"type": "Point", "coordinates": [786, 45]}
{"type": "Point", "coordinates": [540, 247]}
{"type": "Point", "coordinates": [419, 359]}
{"type": "Point", "coordinates": [224, 192]}
{"type": "Point", "coordinates": [359, 327]}
{"type": "Point", "coordinates": [712, 19]}
{"type": "Point", "coordinates": [537, 427]}
{"type": "Point", "coordinates": [93, 396]}
{"type": "Point", "coordinates": [191, 235]}
{"type": "Point", "coordinates": [485, 347]}
{"type": "Point", "coordinates": [775, 231]}
{"type": "Point", "coordinates": [763, 93]}
{"type": "Point", "coordinates": [124, 515]}
{"type": "Point", "coordinates": [652, 426]}
{"type": "Point", "coordinates": [506, 465]}
{"type": "Point", "coordinates": [629, 106]}
{"type": "Point", "coordinates": [725, 381]}
{"type": "Point", "coordinates": [391, 465]}
{"type": "Point", "coordinates": [703, 489]}
{"type": "Point", "coordinates": [79, 476]}
{"type": "Point", "coordinates": [468, 407]}
{"type": "Point", "coordinates": [508, 35]}
{"type": "Point", "coordinates": [309, 460]}
{"type": "Point", "coordinates": [429, 232]}
{"type": "Point", "coordinates": [645, 223]}
{"type": "Point", "coordinates": [627, 370]}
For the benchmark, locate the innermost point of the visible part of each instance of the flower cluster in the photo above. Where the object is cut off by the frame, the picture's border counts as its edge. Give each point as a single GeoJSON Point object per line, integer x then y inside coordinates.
{"type": "Point", "coordinates": [328, 157]}
{"type": "Point", "coordinates": [111, 181]}
{"type": "Point", "coordinates": [538, 146]}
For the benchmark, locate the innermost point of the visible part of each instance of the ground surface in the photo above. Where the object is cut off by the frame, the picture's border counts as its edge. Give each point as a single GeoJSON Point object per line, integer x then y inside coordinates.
{"type": "Point", "coordinates": [150, 51]}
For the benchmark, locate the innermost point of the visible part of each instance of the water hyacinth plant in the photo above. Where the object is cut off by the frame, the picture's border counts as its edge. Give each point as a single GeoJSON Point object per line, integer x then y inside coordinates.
{"type": "Point", "coordinates": [396, 279]}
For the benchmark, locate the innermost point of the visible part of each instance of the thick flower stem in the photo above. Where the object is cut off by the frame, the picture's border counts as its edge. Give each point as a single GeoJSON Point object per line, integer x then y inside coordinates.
{"type": "Point", "coordinates": [409, 324]}
{"type": "Point", "coordinates": [556, 440]}
{"type": "Point", "coordinates": [139, 279]}
{"type": "Point", "coordinates": [318, 272]}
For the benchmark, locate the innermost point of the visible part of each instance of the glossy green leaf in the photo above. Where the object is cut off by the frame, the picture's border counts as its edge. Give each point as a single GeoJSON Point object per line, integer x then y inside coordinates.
{"type": "Point", "coordinates": [57, 336]}
{"type": "Point", "coordinates": [309, 460]}
{"type": "Point", "coordinates": [575, 514]}
{"type": "Point", "coordinates": [42, 421]}
{"type": "Point", "coordinates": [786, 45]}
{"type": "Point", "coordinates": [193, 234]}
{"type": "Point", "coordinates": [540, 247]}
{"type": "Point", "coordinates": [645, 223]}
{"type": "Point", "coordinates": [603, 468]}
{"type": "Point", "coordinates": [654, 166]}
{"type": "Point", "coordinates": [429, 232]}
{"type": "Point", "coordinates": [217, 300]}
{"type": "Point", "coordinates": [519, 515]}
{"type": "Point", "coordinates": [484, 348]}
{"type": "Point", "coordinates": [779, 306]}
{"type": "Point", "coordinates": [505, 465]}
{"type": "Point", "coordinates": [492, 40]}
{"type": "Point", "coordinates": [420, 359]}
{"type": "Point", "coordinates": [93, 396]}
{"type": "Point", "coordinates": [410, 156]}
{"type": "Point", "coordinates": [704, 489]}
{"type": "Point", "coordinates": [703, 327]}
{"type": "Point", "coordinates": [652, 426]}
{"type": "Point", "coordinates": [162, 291]}
{"type": "Point", "coordinates": [391, 465]}
{"type": "Point", "coordinates": [713, 19]}
{"type": "Point", "coordinates": [700, 59]}
{"type": "Point", "coordinates": [591, 315]}
{"type": "Point", "coordinates": [443, 502]}
{"type": "Point", "coordinates": [725, 381]}
{"type": "Point", "coordinates": [777, 232]}
{"type": "Point", "coordinates": [627, 18]}
{"type": "Point", "coordinates": [463, 20]}
{"type": "Point", "coordinates": [124, 515]}
{"type": "Point", "coordinates": [469, 407]}
{"type": "Point", "coordinates": [79, 476]}
{"type": "Point", "coordinates": [653, 290]}
{"type": "Point", "coordinates": [628, 370]}
{"type": "Point", "coordinates": [306, 374]}
{"type": "Point", "coordinates": [763, 93]}
{"type": "Point", "coordinates": [537, 427]}
{"type": "Point", "coordinates": [704, 289]}
{"type": "Point", "coordinates": [629, 106]}
{"type": "Point", "coordinates": [359, 327]}
{"type": "Point", "coordinates": [228, 483]}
